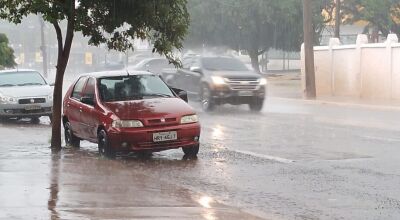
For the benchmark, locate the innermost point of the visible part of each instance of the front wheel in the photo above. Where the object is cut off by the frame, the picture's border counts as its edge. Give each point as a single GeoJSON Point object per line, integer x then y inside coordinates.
{"type": "Point", "coordinates": [256, 105]}
{"type": "Point", "coordinates": [104, 145]}
{"type": "Point", "coordinates": [70, 138]}
{"type": "Point", "coordinates": [207, 101]}
{"type": "Point", "coordinates": [191, 151]}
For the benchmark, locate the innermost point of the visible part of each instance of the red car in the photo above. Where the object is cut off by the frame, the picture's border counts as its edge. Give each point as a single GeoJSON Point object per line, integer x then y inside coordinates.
{"type": "Point", "coordinates": [129, 112]}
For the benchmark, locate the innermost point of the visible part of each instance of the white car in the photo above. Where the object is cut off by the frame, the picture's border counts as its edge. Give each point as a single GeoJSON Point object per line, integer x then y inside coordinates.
{"type": "Point", "coordinates": [24, 94]}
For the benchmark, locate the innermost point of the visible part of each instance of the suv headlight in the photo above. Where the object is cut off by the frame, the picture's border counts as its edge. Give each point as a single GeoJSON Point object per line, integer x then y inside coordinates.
{"type": "Point", "coordinates": [263, 82]}
{"type": "Point", "coordinates": [127, 124]}
{"type": "Point", "coordinates": [217, 80]}
{"type": "Point", "coordinates": [7, 100]}
{"type": "Point", "coordinates": [189, 119]}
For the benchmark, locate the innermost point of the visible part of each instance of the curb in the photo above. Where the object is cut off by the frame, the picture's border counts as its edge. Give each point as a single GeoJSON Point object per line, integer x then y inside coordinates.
{"type": "Point", "coordinates": [344, 104]}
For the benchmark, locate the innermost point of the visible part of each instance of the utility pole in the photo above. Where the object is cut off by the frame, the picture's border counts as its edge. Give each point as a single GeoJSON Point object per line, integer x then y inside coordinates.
{"type": "Point", "coordinates": [43, 46]}
{"type": "Point", "coordinates": [310, 91]}
{"type": "Point", "coordinates": [338, 19]}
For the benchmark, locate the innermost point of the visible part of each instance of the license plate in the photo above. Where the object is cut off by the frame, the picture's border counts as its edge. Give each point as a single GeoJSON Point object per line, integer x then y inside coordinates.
{"type": "Point", "coordinates": [33, 107]}
{"type": "Point", "coordinates": [245, 93]}
{"type": "Point", "coordinates": [165, 136]}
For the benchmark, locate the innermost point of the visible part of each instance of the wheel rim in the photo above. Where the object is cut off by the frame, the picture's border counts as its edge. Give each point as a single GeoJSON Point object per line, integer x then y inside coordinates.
{"type": "Point", "coordinates": [205, 98]}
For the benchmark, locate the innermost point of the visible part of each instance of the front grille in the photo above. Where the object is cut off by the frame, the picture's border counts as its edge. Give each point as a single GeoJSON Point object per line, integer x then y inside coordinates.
{"type": "Point", "coordinates": [245, 83]}
{"type": "Point", "coordinates": [24, 111]}
{"type": "Point", "coordinates": [160, 122]}
{"type": "Point", "coordinates": [32, 101]}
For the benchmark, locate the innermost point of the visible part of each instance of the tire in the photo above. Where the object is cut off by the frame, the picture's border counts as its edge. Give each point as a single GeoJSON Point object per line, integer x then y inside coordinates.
{"type": "Point", "coordinates": [191, 151]}
{"type": "Point", "coordinates": [35, 120]}
{"type": "Point", "coordinates": [207, 102]}
{"type": "Point", "coordinates": [70, 138]}
{"type": "Point", "coordinates": [104, 145]}
{"type": "Point", "coordinates": [256, 105]}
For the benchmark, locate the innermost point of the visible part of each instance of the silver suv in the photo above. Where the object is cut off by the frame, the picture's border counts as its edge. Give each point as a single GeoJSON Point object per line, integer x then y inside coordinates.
{"type": "Point", "coordinates": [24, 94]}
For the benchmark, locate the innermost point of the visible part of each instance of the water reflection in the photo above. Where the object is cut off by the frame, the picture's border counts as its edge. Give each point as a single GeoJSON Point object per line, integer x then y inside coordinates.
{"type": "Point", "coordinates": [54, 187]}
{"type": "Point", "coordinates": [218, 132]}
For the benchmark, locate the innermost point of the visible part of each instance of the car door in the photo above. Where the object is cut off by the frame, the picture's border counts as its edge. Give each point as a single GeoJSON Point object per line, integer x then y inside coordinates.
{"type": "Point", "coordinates": [88, 117]}
{"type": "Point", "coordinates": [75, 106]}
{"type": "Point", "coordinates": [193, 77]}
{"type": "Point", "coordinates": [183, 75]}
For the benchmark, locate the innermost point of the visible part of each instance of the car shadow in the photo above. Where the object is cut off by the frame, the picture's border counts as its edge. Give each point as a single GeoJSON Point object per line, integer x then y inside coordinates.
{"type": "Point", "coordinates": [25, 122]}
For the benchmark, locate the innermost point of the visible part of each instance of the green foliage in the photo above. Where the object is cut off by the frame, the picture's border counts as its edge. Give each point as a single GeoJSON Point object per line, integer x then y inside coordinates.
{"type": "Point", "coordinates": [384, 15]}
{"type": "Point", "coordinates": [114, 23]}
{"type": "Point", "coordinates": [6, 53]}
{"type": "Point", "coordinates": [253, 25]}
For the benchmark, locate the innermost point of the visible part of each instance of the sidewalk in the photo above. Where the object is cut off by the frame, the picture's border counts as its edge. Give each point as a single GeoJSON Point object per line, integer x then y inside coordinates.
{"type": "Point", "coordinates": [287, 86]}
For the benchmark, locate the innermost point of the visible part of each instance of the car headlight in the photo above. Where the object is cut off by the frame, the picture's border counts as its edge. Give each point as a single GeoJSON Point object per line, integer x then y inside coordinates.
{"type": "Point", "coordinates": [7, 100]}
{"type": "Point", "coordinates": [263, 81]}
{"type": "Point", "coordinates": [217, 80]}
{"type": "Point", "coordinates": [127, 124]}
{"type": "Point", "coordinates": [189, 119]}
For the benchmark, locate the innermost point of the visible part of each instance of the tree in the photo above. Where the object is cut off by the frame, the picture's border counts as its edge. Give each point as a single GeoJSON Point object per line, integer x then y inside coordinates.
{"type": "Point", "coordinates": [382, 16]}
{"type": "Point", "coordinates": [6, 53]}
{"type": "Point", "coordinates": [114, 23]}
{"type": "Point", "coordinates": [252, 25]}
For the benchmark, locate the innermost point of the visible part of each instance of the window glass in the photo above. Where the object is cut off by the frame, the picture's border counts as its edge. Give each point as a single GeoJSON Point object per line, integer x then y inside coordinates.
{"type": "Point", "coordinates": [78, 88]}
{"type": "Point", "coordinates": [24, 78]}
{"type": "Point", "coordinates": [137, 87]}
{"type": "Point", "coordinates": [90, 89]}
{"type": "Point", "coordinates": [223, 63]}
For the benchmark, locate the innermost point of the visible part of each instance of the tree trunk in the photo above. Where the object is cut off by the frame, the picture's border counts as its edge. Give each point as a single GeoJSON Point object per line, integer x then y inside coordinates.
{"type": "Point", "coordinates": [57, 104]}
{"type": "Point", "coordinates": [338, 19]}
{"type": "Point", "coordinates": [62, 61]}
{"type": "Point", "coordinates": [254, 61]}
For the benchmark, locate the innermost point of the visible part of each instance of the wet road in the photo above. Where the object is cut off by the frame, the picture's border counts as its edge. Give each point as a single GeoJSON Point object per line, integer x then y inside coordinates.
{"type": "Point", "coordinates": [292, 161]}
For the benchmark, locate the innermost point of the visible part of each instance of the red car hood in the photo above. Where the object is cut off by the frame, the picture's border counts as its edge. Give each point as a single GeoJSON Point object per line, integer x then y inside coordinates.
{"type": "Point", "coordinates": [150, 108]}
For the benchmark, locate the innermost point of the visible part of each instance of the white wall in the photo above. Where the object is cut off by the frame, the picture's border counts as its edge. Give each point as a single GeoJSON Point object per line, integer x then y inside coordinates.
{"type": "Point", "coordinates": [370, 71]}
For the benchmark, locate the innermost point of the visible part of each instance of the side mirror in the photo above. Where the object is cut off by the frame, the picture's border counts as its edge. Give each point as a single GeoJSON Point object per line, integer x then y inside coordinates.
{"type": "Point", "coordinates": [196, 69]}
{"type": "Point", "coordinates": [181, 94]}
{"type": "Point", "coordinates": [87, 100]}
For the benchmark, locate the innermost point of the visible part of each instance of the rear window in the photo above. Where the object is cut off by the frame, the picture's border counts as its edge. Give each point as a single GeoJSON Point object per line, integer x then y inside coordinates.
{"type": "Point", "coordinates": [24, 78]}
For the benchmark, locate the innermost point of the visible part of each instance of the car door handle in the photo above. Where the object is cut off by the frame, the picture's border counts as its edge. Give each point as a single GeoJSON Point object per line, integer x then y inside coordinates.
{"type": "Point", "coordinates": [80, 109]}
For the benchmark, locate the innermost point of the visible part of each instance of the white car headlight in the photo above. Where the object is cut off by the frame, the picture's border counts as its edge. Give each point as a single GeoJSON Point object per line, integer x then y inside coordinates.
{"type": "Point", "coordinates": [7, 100]}
{"type": "Point", "coordinates": [127, 124]}
{"type": "Point", "coordinates": [189, 119]}
{"type": "Point", "coordinates": [263, 81]}
{"type": "Point", "coordinates": [217, 80]}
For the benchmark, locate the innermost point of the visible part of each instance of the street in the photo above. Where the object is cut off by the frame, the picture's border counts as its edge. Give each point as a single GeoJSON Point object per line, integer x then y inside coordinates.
{"type": "Point", "coordinates": [294, 160]}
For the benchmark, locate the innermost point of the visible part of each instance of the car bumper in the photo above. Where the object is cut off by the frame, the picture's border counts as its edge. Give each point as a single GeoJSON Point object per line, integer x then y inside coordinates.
{"type": "Point", "coordinates": [19, 110]}
{"type": "Point", "coordinates": [141, 139]}
{"type": "Point", "coordinates": [222, 95]}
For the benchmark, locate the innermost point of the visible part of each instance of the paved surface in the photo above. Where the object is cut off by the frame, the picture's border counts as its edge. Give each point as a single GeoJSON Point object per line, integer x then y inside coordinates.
{"type": "Point", "coordinates": [295, 160]}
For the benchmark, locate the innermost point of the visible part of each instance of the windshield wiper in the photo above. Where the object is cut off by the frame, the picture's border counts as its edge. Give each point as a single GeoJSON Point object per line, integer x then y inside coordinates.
{"type": "Point", "coordinates": [158, 95]}
{"type": "Point", "coordinates": [6, 85]}
{"type": "Point", "coordinates": [30, 84]}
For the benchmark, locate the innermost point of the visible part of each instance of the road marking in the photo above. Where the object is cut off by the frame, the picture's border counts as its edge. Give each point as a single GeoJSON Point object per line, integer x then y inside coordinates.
{"type": "Point", "coordinates": [268, 157]}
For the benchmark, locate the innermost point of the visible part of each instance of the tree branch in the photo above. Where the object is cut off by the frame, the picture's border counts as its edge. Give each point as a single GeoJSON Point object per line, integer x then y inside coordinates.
{"type": "Point", "coordinates": [59, 38]}
{"type": "Point", "coordinates": [70, 30]}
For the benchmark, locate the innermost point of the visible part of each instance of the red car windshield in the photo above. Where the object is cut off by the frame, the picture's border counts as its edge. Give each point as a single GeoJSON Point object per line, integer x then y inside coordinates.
{"type": "Point", "coordinates": [125, 88]}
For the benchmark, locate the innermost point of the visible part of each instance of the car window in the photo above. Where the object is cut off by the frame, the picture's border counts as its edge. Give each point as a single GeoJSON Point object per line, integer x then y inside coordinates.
{"type": "Point", "coordinates": [78, 88]}
{"type": "Point", "coordinates": [223, 63]}
{"type": "Point", "coordinates": [125, 88]}
{"type": "Point", "coordinates": [89, 90]}
{"type": "Point", "coordinates": [24, 78]}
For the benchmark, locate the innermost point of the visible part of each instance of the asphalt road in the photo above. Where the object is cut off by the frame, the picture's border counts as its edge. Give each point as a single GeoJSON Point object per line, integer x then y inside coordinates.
{"type": "Point", "coordinates": [294, 160]}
